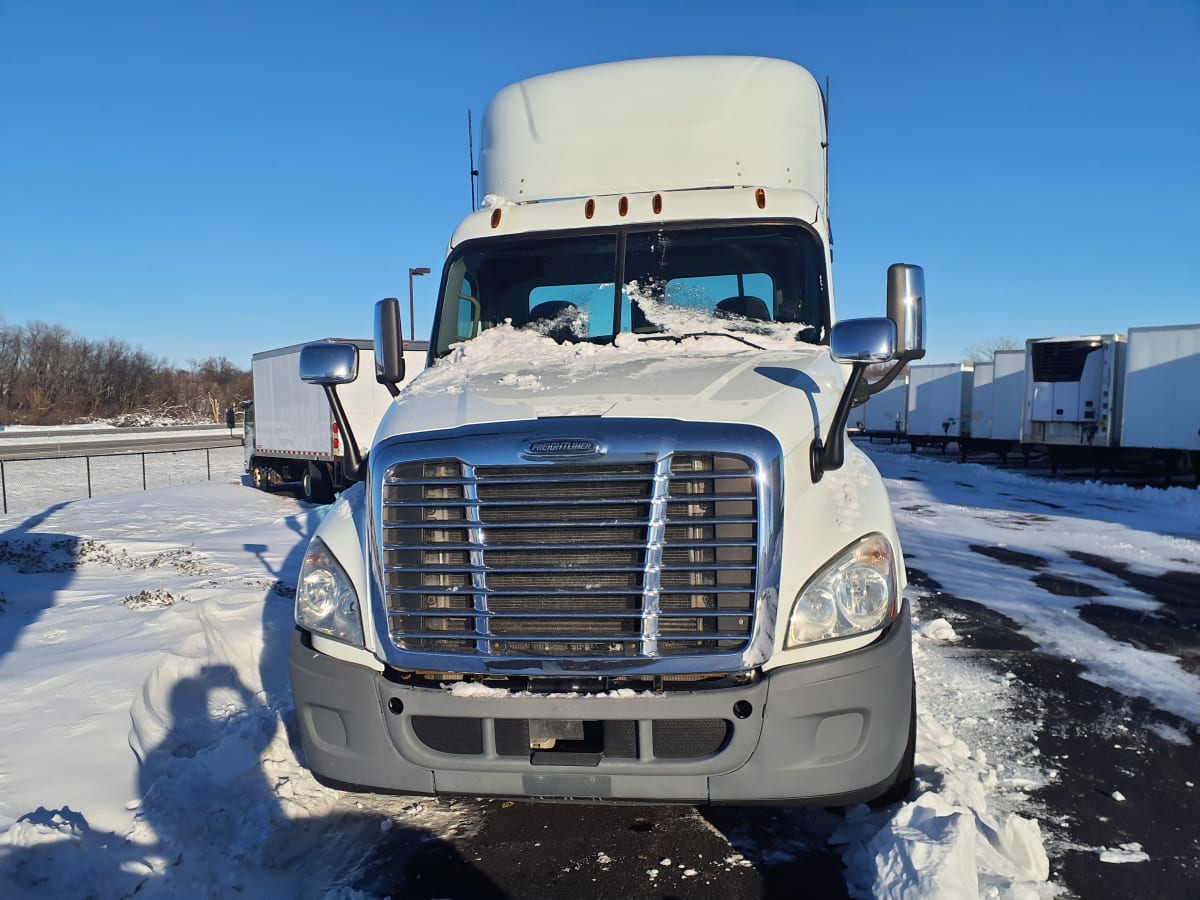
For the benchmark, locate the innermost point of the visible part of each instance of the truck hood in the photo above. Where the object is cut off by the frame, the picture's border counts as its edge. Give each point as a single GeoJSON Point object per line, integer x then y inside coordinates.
{"type": "Point", "coordinates": [508, 376]}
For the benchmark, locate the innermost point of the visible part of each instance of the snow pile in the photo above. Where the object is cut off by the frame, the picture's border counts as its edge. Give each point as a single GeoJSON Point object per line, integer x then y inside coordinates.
{"type": "Point", "coordinates": [1126, 853]}
{"type": "Point", "coordinates": [960, 836]}
{"type": "Point", "coordinates": [940, 630]}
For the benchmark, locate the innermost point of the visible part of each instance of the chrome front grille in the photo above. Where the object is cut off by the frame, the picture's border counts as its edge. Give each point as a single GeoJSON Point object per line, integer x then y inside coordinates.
{"type": "Point", "coordinates": [626, 560]}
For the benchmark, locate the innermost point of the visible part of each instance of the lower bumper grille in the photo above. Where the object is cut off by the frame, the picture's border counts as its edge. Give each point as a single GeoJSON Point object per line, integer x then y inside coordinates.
{"type": "Point", "coordinates": [669, 739]}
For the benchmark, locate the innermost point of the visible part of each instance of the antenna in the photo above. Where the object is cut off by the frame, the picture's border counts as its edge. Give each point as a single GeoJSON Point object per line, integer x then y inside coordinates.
{"type": "Point", "coordinates": [471, 155]}
{"type": "Point", "coordinates": [825, 147]}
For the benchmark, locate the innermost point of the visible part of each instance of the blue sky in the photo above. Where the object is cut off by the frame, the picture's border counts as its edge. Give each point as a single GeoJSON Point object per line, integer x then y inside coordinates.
{"type": "Point", "coordinates": [216, 178]}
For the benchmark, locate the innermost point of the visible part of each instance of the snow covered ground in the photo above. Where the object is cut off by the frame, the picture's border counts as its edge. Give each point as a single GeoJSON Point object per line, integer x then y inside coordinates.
{"type": "Point", "coordinates": [146, 740]}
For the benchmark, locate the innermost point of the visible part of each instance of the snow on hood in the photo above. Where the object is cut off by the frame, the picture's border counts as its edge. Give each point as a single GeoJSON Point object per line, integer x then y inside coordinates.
{"type": "Point", "coordinates": [509, 374]}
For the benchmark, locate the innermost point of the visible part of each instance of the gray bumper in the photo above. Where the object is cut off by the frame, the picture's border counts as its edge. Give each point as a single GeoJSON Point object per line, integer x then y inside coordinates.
{"type": "Point", "coordinates": [828, 732]}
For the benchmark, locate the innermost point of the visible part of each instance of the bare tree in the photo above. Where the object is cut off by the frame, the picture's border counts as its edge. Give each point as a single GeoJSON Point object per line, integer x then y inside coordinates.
{"type": "Point", "coordinates": [50, 377]}
{"type": "Point", "coordinates": [982, 351]}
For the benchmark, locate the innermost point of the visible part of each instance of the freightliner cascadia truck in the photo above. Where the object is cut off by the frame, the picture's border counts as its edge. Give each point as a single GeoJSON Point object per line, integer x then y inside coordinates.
{"type": "Point", "coordinates": [612, 544]}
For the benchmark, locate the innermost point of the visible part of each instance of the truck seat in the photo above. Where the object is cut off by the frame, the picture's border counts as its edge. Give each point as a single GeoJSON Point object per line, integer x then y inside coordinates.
{"type": "Point", "coordinates": [745, 306]}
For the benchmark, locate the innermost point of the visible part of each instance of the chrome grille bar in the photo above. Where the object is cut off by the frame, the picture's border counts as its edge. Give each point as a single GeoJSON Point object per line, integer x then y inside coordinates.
{"type": "Point", "coordinates": [645, 559]}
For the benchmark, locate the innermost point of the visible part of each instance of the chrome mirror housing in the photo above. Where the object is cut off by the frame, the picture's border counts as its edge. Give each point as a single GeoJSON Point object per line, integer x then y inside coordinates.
{"type": "Point", "coordinates": [906, 307]}
{"type": "Point", "coordinates": [863, 340]}
{"type": "Point", "coordinates": [329, 362]}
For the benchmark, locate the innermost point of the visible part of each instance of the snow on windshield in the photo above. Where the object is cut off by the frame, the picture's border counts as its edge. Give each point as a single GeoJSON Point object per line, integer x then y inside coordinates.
{"type": "Point", "coordinates": [518, 356]}
{"type": "Point", "coordinates": [678, 319]}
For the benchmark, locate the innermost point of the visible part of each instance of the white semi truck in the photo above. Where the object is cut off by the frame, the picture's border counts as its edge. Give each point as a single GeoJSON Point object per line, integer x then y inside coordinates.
{"type": "Point", "coordinates": [613, 545]}
{"type": "Point", "coordinates": [290, 434]}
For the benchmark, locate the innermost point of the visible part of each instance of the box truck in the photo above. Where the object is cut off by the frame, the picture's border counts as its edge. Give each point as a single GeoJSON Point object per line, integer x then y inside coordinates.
{"type": "Point", "coordinates": [613, 544]}
{"type": "Point", "coordinates": [290, 434]}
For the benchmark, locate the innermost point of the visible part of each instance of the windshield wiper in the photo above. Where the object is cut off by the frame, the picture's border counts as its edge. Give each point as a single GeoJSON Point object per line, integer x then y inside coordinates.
{"type": "Point", "coordinates": [678, 338]}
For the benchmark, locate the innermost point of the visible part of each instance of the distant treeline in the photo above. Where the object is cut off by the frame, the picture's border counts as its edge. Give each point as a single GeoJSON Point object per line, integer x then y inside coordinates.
{"type": "Point", "coordinates": [48, 376]}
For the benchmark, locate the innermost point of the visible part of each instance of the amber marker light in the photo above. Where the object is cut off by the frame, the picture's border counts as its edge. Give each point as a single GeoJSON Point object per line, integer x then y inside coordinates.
{"type": "Point", "coordinates": [496, 217]}
{"type": "Point", "coordinates": [623, 206]}
{"type": "Point", "coordinates": [760, 197]}
{"type": "Point", "coordinates": [656, 204]}
{"type": "Point", "coordinates": [589, 209]}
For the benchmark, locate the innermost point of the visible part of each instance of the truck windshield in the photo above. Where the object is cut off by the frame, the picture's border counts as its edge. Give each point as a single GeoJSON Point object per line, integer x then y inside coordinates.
{"type": "Point", "coordinates": [592, 286]}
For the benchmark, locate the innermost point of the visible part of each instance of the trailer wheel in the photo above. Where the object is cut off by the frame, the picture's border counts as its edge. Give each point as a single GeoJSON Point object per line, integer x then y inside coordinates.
{"type": "Point", "coordinates": [259, 477]}
{"type": "Point", "coordinates": [317, 484]}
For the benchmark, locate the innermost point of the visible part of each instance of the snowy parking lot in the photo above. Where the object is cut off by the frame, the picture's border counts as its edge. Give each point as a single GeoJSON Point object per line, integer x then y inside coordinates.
{"type": "Point", "coordinates": [147, 739]}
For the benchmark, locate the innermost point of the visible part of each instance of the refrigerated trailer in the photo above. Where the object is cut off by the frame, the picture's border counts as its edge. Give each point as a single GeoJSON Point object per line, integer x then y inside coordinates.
{"type": "Point", "coordinates": [939, 404]}
{"type": "Point", "coordinates": [290, 435]}
{"type": "Point", "coordinates": [1072, 405]}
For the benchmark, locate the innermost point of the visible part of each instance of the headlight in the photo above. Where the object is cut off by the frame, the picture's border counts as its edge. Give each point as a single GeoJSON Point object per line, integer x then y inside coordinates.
{"type": "Point", "coordinates": [854, 593]}
{"type": "Point", "coordinates": [325, 598]}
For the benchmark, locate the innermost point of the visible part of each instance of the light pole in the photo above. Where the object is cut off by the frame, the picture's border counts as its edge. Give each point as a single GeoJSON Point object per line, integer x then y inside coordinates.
{"type": "Point", "coordinates": [412, 313]}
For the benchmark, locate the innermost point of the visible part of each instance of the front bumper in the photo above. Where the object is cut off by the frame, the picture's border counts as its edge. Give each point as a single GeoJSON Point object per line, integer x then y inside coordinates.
{"type": "Point", "coordinates": [829, 732]}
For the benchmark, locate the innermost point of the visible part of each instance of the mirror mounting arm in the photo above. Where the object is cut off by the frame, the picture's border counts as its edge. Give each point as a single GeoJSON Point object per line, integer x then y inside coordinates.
{"type": "Point", "coordinates": [867, 389]}
{"type": "Point", "coordinates": [352, 459]}
{"type": "Point", "coordinates": [826, 457]}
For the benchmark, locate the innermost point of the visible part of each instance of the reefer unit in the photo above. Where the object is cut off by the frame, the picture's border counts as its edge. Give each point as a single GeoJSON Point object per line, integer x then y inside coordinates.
{"type": "Point", "coordinates": [1161, 407]}
{"type": "Point", "coordinates": [939, 402]}
{"type": "Point", "coordinates": [887, 412]}
{"type": "Point", "coordinates": [1073, 391]}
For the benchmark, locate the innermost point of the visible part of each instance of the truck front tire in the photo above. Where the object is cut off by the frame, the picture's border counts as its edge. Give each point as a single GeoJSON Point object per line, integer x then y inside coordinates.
{"type": "Point", "coordinates": [318, 483]}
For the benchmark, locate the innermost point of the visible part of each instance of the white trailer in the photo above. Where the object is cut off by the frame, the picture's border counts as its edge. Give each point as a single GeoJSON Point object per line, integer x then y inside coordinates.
{"type": "Point", "coordinates": [997, 397]}
{"type": "Point", "coordinates": [939, 404]}
{"type": "Point", "coordinates": [981, 401]}
{"type": "Point", "coordinates": [1008, 395]}
{"type": "Point", "coordinates": [290, 434]}
{"type": "Point", "coordinates": [1072, 402]}
{"type": "Point", "coordinates": [886, 413]}
{"type": "Point", "coordinates": [1161, 409]}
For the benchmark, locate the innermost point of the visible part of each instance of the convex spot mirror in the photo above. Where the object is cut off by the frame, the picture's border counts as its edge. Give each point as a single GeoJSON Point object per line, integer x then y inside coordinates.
{"type": "Point", "coordinates": [329, 362]}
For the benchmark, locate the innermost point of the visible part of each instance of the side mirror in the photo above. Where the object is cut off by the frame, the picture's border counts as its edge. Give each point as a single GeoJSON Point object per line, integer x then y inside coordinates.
{"type": "Point", "coordinates": [906, 307]}
{"type": "Point", "coordinates": [328, 362]}
{"type": "Point", "coordinates": [389, 345]}
{"type": "Point", "coordinates": [863, 341]}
